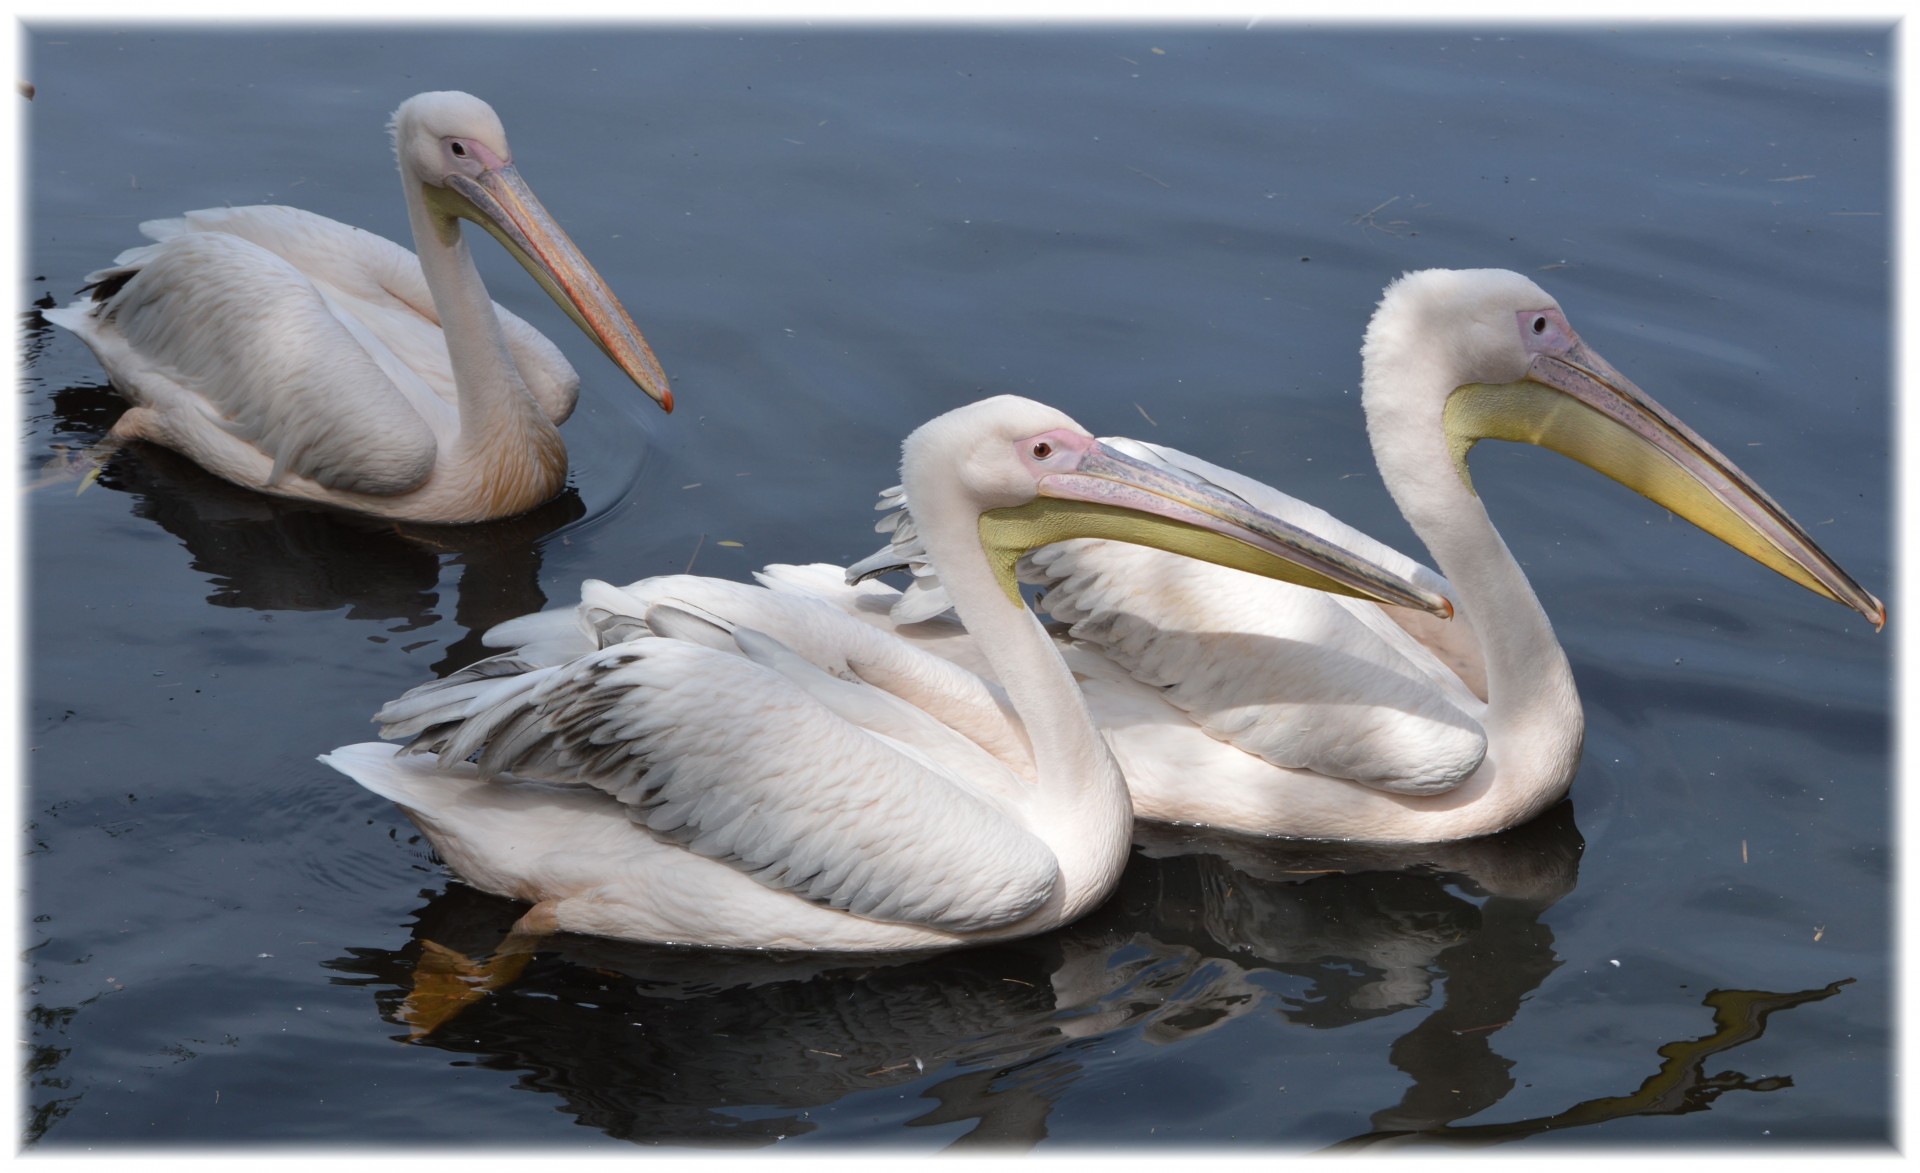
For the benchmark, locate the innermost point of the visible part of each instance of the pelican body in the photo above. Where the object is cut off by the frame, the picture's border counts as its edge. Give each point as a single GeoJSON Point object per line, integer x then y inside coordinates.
{"type": "Point", "coordinates": [1259, 708]}
{"type": "Point", "coordinates": [298, 356]}
{"type": "Point", "coordinates": [698, 761]}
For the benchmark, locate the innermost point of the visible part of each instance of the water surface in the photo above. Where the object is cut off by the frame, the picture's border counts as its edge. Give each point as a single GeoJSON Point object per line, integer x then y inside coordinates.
{"type": "Point", "coordinates": [830, 235]}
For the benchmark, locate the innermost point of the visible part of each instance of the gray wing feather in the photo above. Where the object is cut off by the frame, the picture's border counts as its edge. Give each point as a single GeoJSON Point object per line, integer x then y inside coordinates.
{"type": "Point", "coordinates": [731, 760]}
{"type": "Point", "coordinates": [252, 338]}
{"type": "Point", "coordinates": [370, 269]}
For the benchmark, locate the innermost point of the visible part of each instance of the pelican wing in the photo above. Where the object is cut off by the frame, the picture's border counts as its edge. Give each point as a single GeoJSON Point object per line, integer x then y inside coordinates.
{"type": "Point", "coordinates": [732, 757]}
{"type": "Point", "coordinates": [231, 350]}
{"type": "Point", "coordinates": [1452, 641]}
{"type": "Point", "coordinates": [378, 283]}
{"type": "Point", "coordinates": [878, 604]}
{"type": "Point", "coordinates": [1286, 674]}
{"type": "Point", "coordinates": [1299, 678]}
{"type": "Point", "coordinates": [952, 696]}
{"type": "Point", "coordinates": [805, 610]}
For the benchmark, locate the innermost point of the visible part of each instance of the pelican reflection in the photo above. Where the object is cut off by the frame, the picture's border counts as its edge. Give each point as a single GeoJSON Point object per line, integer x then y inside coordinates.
{"type": "Point", "coordinates": [266, 554]}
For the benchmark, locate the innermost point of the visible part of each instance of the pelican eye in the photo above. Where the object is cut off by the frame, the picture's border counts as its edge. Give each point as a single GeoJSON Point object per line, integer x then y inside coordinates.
{"type": "Point", "coordinates": [459, 150]}
{"type": "Point", "coordinates": [1042, 450]}
{"type": "Point", "coordinates": [1540, 324]}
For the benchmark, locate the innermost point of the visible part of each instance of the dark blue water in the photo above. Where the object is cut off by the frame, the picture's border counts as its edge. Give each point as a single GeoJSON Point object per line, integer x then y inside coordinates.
{"type": "Point", "coordinates": [829, 236]}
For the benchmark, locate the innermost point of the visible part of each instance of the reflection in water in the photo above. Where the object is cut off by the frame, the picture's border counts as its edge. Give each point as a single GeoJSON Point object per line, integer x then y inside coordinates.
{"type": "Point", "coordinates": [1681, 1085]}
{"type": "Point", "coordinates": [1376, 929]}
{"type": "Point", "coordinates": [50, 1095]}
{"type": "Point", "coordinates": [35, 331]}
{"type": "Point", "coordinates": [676, 1046]}
{"type": "Point", "coordinates": [654, 1044]}
{"type": "Point", "coordinates": [266, 554]}
{"type": "Point", "coordinates": [662, 1045]}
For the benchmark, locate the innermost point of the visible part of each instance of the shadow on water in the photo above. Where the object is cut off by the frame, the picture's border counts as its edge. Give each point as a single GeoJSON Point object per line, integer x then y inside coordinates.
{"type": "Point", "coordinates": [266, 554]}
{"type": "Point", "coordinates": [675, 1046]}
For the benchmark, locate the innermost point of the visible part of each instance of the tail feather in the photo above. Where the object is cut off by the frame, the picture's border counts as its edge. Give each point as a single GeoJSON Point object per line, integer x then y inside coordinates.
{"type": "Point", "coordinates": [478, 715]}
{"type": "Point", "coordinates": [102, 284]}
{"type": "Point", "coordinates": [440, 702]}
{"type": "Point", "coordinates": [381, 768]}
{"type": "Point", "coordinates": [547, 637]}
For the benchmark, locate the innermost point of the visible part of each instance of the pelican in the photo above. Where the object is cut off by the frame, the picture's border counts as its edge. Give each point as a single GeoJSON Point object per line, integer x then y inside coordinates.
{"type": "Point", "coordinates": [1259, 708]}
{"type": "Point", "coordinates": [302, 357]}
{"type": "Point", "coordinates": [731, 766]}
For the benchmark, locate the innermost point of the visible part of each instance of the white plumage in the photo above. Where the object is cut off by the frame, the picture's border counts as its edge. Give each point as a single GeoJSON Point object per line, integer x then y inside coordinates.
{"type": "Point", "coordinates": [303, 357]}
{"type": "Point", "coordinates": [1256, 706]}
{"type": "Point", "coordinates": [698, 761]}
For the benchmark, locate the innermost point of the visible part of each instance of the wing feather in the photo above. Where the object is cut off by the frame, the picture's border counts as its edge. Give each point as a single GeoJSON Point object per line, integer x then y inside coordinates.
{"type": "Point", "coordinates": [732, 760]}
{"type": "Point", "coordinates": [1452, 641]}
{"type": "Point", "coordinates": [385, 287]}
{"type": "Point", "coordinates": [1284, 673]}
{"type": "Point", "coordinates": [825, 635]}
{"type": "Point", "coordinates": [214, 327]}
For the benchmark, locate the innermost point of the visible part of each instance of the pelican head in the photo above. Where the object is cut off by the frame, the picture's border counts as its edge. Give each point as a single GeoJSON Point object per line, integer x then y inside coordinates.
{"type": "Point", "coordinates": [1514, 369]}
{"type": "Point", "coordinates": [1031, 477]}
{"type": "Point", "coordinates": [453, 150]}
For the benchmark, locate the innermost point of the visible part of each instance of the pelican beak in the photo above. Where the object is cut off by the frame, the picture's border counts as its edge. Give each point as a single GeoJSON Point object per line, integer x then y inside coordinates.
{"type": "Point", "coordinates": [1103, 493]}
{"type": "Point", "coordinates": [1575, 403]}
{"type": "Point", "coordinates": [499, 201]}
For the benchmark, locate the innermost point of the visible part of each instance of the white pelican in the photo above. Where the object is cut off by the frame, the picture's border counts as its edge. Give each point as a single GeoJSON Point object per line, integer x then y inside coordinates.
{"type": "Point", "coordinates": [1256, 707]}
{"type": "Point", "coordinates": [299, 356]}
{"type": "Point", "coordinates": [732, 766]}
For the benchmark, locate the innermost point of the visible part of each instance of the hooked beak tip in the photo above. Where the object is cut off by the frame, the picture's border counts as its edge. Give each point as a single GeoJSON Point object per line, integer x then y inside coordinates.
{"type": "Point", "coordinates": [666, 402]}
{"type": "Point", "coordinates": [1447, 605]}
